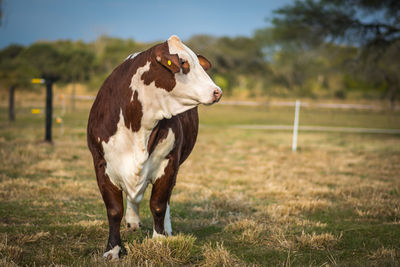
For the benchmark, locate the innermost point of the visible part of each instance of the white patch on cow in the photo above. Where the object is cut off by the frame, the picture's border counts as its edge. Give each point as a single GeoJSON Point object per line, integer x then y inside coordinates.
{"type": "Point", "coordinates": [167, 222]}
{"type": "Point", "coordinates": [114, 253]}
{"type": "Point", "coordinates": [98, 139]}
{"type": "Point", "coordinates": [131, 56]}
{"type": "Point", "coordinates": [157, 235]}
{"type": "Point", "coordinates": [125, 154]}
{"type": "Point", "coordinates": [136, 80]}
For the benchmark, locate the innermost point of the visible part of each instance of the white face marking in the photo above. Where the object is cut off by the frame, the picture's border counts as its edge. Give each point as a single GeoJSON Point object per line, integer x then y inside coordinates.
{"type": "Point", "coordinates": [114, 253]}
{"type": "Point", "coordinates": [196, 86]}
{"type": "Point", "coordinates": [98, 139]}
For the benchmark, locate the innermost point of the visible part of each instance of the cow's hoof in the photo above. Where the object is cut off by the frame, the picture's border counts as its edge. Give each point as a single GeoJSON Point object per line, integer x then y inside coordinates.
{"type": "Point", "coordinates": [112, 254]}
{"type": "Point", "coordinates": [134, 226]}
{"type": "Point", "coordinates": [157, 235]}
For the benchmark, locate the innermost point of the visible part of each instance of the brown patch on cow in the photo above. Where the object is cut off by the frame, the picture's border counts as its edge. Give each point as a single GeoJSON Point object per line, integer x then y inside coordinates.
{"type": "Point", "coordinates": [189, 122]}
{"type": "Point", "coordinates": [152, 139]}
{"type": "Point", "coordinates": [161, 193]}
{"type": "Point", "coordinates": [133, 113]}
{"type": "Point", "coordinates": [158, 73]}
{"type": "Point", "coordinates": [169, 61]}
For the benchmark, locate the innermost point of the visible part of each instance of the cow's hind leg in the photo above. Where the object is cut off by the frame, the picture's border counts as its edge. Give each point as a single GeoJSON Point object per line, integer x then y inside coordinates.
{"type": "Point", "coordinates": [159, 201]}
{"type": "Point", "coordinates": [112, 197]}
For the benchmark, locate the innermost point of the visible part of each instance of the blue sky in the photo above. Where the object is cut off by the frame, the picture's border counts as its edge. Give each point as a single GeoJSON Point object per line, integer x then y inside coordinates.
{"type": "Point", "coordinates": [26, 21]}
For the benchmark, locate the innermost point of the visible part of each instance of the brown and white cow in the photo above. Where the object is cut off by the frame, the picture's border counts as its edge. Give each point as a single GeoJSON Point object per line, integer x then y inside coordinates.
{"type": "Point", "coordinates": [142, 127]}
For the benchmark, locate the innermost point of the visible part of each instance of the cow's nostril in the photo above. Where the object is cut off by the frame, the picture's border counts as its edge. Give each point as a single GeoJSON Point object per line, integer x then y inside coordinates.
{"type": "Point", "coordinates": [217, 94]}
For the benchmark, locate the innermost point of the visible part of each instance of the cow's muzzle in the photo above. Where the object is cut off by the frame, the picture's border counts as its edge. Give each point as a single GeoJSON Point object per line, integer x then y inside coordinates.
{"type": "Point", "coordinates": [217, 95]}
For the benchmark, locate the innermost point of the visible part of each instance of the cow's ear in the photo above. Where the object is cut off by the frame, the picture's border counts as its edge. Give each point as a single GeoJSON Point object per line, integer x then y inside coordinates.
{"type": "Point", "coordinates": [169, 61]}
{"type": "Point", "coordinates": [204, 62]}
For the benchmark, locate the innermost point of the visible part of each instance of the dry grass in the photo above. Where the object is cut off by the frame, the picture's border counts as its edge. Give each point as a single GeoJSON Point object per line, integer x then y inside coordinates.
{"type": "Point", "coordinates": [9, 253]}
{"type": "Point", "coordinates": [242, 198]}
{"type": "Point", "coordinates": [382, 253]}
{"type": "Point", "coordinates": [171, 251]}
{"type": "Point", "coordinates": [219, 256]}
{"type": "Point", "coordinates": [325, 241]}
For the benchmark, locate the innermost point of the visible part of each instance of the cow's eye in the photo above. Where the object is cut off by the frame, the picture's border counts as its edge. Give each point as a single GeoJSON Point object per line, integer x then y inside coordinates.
{"type": "Point", "coordinates": [185, 66]}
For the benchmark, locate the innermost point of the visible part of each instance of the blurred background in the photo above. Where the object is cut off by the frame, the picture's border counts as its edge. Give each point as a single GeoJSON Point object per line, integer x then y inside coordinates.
{"type": "Point", "coordinates": [243, 197]}
{"type": "Point", "coordinates": [259, 49]}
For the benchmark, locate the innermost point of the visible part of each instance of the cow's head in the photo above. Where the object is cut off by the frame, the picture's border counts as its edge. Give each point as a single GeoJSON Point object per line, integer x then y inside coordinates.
{"type": "Point", "coordinates": [191, 85]}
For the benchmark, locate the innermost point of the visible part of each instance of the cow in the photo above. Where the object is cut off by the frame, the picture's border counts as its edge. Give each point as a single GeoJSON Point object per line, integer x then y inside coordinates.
{"type": "Point", "coordinates": [142, 126]}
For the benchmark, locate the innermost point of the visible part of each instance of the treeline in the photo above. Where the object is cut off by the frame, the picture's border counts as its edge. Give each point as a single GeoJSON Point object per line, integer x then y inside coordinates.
{"type": "Point", "coordinates": [241, 65]}
{"type": "Point", "coordinates": [287, 59]}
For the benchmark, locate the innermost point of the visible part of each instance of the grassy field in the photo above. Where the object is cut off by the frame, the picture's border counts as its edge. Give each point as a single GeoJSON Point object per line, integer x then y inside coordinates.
{"type": "Point", "coordinates": [242, 197]}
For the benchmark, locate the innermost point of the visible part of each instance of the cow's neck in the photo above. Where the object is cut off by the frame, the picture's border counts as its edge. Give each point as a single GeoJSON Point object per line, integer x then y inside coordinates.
{"type": "Point", "coordinates": [156, 103]}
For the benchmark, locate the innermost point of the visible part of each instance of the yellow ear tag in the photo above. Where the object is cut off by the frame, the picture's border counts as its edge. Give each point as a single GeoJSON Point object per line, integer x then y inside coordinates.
{"type": "Point", "coordinates": [169, 63]}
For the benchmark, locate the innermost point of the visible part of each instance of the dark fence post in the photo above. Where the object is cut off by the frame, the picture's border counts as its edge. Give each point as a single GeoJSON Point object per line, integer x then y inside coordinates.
{"type": "Point", "coordinates": [11, 109]}
{"type": "Point", "coordinates": [49, 109]}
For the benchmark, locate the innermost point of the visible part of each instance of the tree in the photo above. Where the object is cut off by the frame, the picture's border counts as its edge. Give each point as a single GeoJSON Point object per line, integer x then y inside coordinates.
{"type": "Point", "coordinates": [14, 73]}
{"type": "Point", "coordinates": [46, 59]}
{"type": "Point", "coordinates": [371, 25]}
{"type": "Point", "coordinates": [232, 58]}
{"type": "Point", "coordinates": [78, 64]}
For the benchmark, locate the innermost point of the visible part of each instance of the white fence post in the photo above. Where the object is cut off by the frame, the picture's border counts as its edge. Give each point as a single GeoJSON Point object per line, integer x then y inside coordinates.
{"type": "Point", "coordinates": [296, 126]}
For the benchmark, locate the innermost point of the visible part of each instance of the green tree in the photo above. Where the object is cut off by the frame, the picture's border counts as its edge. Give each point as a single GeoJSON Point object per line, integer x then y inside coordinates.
{"type": "Point", "coordinates": [231, 58]}
{"type": "Point", "coordinates": [14, 73]}
{"type": "Point", "coordinates": [371, 25]}
{"type": "Point", "coordinates": [77, 66]}
{"type": "Point", "coordinates": [46, 59]}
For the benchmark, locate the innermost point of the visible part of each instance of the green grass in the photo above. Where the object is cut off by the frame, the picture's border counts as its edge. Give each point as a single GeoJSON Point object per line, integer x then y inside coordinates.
{"type": "Point", "coordinates": [228, 115]}
{"type": "Point", "coordinates": [242, 197]}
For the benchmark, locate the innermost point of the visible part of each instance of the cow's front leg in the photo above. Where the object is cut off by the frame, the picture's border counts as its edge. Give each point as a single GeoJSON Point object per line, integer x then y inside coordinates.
{"type": "Point", "coordinates": [132, 214]}
{"type": "Point", "coordinates": [159, 201]}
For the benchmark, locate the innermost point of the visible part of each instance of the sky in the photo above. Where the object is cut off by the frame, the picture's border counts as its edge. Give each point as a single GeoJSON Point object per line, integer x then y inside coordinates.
{"type": "Point", "coordinates": [27, 21]}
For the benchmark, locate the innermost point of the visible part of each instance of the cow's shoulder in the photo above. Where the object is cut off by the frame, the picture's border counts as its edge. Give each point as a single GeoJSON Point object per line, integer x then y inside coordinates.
{"type": "Point", "coordinates": [184, 126]}
{"type": "Point", "coordinates": [114, 96]}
